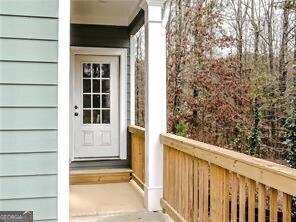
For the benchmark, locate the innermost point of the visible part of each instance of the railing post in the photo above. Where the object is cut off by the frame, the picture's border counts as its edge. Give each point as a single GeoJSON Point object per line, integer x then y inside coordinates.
{"type": "Point", "coordinates": [155, 102]}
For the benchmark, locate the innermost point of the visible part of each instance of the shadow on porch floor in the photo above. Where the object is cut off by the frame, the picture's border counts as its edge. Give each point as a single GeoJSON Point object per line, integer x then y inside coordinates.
{"type": "Point", "coordinates": [109, 203]}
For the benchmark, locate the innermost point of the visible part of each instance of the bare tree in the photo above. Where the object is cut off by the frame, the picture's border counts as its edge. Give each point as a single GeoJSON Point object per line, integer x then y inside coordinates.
{"type": "Point", "coordinates": [140, 79]}
{"type": "Point", "coordinates": [231, 72]}
{"type": "Point", "coordinates": [284, 48]}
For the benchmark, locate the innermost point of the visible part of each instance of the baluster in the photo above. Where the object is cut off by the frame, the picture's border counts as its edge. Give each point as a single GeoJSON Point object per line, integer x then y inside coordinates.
{"type": "Point", "coordinates": [273, 205]}
{"type": "Point", "coordinates": [225, 196]}
{"type": "Point", "coordinates": [287, 204]}
{"type": "Point", "coordinates": [261, 202]}
{"type": "Point", "coordinates": [242, 199]}
{"type": "Point", "coordinates": [234, 192]}
{"type": "Point", "coordinates": [251, 200]}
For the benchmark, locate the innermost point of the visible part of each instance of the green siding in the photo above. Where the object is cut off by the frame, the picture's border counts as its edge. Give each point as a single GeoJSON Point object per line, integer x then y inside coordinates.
{"type": "Point", "coordinates": [36, 186]}
{"type": "Point", "coordinates": [28, 50]}
{"type": "Point", "coordinates": [28, 164]}
{"type": "Point", "coordinates": [28, 73]}
{"type": "Point", "coordinates": [28, 95]}
{"type": "Point", "coordinates": [28, 106]}
{"type": "Point", "coordinates": [32, 28]}
{"type": "Point", "coordinates": [100, 36]}
{"type": "Point", "coordinates": [44, 208]}
{"type": "Point", "coordinates": [38, 8]}
{"type": "Point", "coordinates": [28, 141]}
{"type": "Point", "coordinates": [28, 118]}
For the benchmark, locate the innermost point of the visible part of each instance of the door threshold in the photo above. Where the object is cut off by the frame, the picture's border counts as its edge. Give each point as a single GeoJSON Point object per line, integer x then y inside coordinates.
{"type": "Point", "coordinates": [100, 176]}
{"type": "Point", "coordinates": [81, 159]}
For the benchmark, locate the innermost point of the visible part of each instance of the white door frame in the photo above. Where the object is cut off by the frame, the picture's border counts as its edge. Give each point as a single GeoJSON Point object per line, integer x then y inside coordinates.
{"type": "Point", "coordinates": [122, 54]}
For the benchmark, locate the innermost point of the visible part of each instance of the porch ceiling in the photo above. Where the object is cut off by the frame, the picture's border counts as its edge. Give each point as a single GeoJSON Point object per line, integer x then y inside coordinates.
{"type": "Point", "coordinates": [104, 12]}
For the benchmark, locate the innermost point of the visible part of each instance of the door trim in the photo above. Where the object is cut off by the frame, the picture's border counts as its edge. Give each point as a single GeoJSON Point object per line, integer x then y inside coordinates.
{"type": "Point", "coordinates": [122, 54]}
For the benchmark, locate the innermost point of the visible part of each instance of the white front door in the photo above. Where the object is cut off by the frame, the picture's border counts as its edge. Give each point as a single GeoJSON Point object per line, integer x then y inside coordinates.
{"type": "Point", "coordinates": [96, 107]}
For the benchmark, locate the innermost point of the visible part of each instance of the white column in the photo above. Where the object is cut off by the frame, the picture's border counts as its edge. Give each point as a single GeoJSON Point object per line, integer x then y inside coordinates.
{"type": "Point", "coordinates": [155, 103]}
{"type": "Point", "coordinates": [63, 110]}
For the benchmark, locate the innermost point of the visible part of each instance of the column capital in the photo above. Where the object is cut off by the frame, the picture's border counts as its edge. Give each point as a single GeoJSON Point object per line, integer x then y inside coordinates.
{"type": "Point", "coordinates": [153, 2]}
{"type": "Point", "coordinates": [153, 10]}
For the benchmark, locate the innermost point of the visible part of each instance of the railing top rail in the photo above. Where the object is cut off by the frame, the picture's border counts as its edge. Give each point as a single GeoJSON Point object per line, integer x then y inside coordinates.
{"type": "Point", "coordinates": [137, 130]}
{"type": "Point", "coordinates": [271, 174]}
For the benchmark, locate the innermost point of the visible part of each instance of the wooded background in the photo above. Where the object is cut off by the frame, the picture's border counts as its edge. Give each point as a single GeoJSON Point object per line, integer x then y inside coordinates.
{"type": "Point", "coordinates": [231, 75]}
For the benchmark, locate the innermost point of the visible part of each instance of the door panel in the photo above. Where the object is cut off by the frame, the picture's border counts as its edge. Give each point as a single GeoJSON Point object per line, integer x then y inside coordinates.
{"type": "Point", "coordinates": [96, 107]}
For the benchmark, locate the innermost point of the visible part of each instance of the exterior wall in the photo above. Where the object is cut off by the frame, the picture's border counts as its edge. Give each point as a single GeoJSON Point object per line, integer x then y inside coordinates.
{"type": "Point", "coordinates": [108, 37]}
{"type": "Point", "coordinates": [28, 106]}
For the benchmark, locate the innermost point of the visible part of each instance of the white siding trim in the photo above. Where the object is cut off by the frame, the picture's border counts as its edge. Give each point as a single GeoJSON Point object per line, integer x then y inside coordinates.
{"type": "Point", "coordinates": [132, 81]}
{"type": "Point", "coordinates": [63, 109]}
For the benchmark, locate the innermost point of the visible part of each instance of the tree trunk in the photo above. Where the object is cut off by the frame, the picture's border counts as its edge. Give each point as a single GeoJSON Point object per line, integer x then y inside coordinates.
{"type": "Point", "coordinates": [283, 51]}
{"type": "Point", "coordinates": [270, 42]}
{"type": "Point", "coordinates": [239, 22]}
{"type": "Point", "coordinates": [176, 105]}
{"type": "Point", "coordinates": [272, 112]}
{"type": "Point", "coordinates": [256, 31]}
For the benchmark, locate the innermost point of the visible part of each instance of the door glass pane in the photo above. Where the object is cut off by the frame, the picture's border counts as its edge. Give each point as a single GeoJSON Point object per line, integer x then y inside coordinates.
{"type": "Point", "coordinates": [96, 117]}
{"type": "Point", "coordinates": [86, 101]}
{"type": "Point", "coordinates": [86, 116]}
{"type": "Point", "coordinates": [96, 70]}
{"type": "Point", "coordinates": [105, 70]}
{"type": "Point", "coordinates": [105, 116]}
{"type": "Point", "coordinates": [96, 93]}
{"type": "Point", "coordinates": [86, 85]}
{"type": "Point", "coordinates": [96, 86]}
{"type": "Point", "coordinates": [106, 86]}
{"type": "Point", "coordinates": [105, 101]}
{"type": "Point", "coordinates": [86, 70]}
{"type": "Point", "coordinates": [96, 101]}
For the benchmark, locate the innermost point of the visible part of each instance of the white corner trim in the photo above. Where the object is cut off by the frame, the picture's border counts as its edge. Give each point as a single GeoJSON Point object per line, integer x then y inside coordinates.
{"type": "Point", "coordinates": [123, 104]}
{"type": "Point", "coordinates": [122, 54]}
{"type": "Point", "coordinates": [132, 81]}
{"type": "Point", "coordinates": [63, 110]}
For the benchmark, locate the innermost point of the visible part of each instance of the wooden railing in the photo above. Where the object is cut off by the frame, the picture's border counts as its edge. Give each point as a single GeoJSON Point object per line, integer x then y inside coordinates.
{"type": "Point", "coordinates": [138, 154]}
{"type": "Point", "coordinates": [207, 183]}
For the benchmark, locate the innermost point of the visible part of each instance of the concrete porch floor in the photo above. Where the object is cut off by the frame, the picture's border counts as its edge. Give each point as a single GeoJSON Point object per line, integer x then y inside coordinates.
{"type": "Point", "coordinates": [109, 203]}
{"type": "Point", "coordinates": [126, 217]}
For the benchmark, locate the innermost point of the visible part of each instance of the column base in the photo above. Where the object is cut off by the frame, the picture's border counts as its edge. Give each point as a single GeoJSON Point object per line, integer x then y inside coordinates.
{"type": "Point", "coordinates": [152, 196]}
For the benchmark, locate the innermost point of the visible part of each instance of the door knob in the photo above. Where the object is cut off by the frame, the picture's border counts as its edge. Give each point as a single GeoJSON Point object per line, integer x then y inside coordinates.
{"type": "Point", "coordinates": [75, 107]}
{"type": "Point", "coordinates": [76, 114]}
